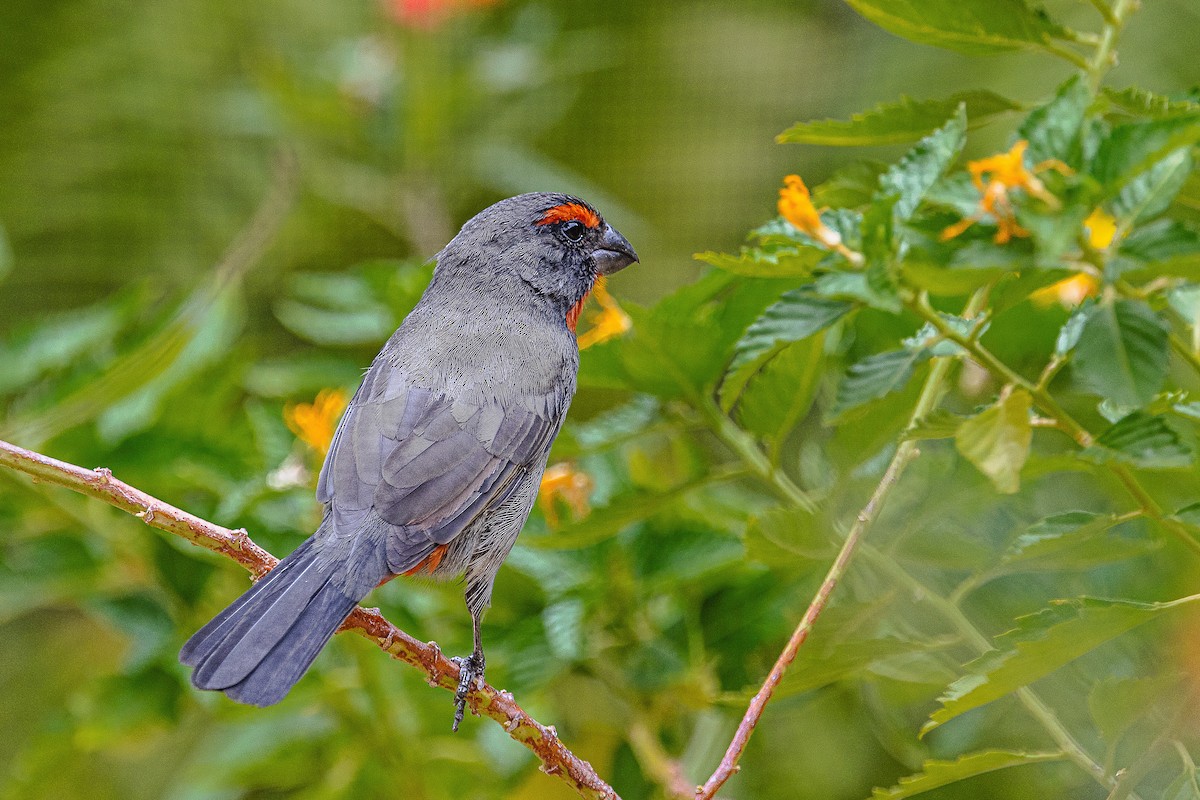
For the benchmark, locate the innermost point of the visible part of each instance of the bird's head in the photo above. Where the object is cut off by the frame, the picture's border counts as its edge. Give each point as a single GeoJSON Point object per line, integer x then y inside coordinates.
{"type": "Point", "coordinates": [556, 244]}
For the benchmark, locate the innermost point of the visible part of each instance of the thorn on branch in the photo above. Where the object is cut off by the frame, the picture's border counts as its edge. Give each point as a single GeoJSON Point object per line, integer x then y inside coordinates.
{"type": "Point", "coordinates": [103, 473]}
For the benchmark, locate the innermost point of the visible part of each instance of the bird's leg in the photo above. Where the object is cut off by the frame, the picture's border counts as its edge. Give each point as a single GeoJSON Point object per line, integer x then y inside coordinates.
{"type": "Point", "coordinates": [469, 669]}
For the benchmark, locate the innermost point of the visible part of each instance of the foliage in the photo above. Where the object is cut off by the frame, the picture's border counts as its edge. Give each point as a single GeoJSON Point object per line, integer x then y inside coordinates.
{"type": "Point", "coordinates": [1025, 598]}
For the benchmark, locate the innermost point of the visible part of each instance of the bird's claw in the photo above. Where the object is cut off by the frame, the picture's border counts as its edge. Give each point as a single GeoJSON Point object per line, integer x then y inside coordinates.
{"type": "Point", "coordinates": [470, 668]}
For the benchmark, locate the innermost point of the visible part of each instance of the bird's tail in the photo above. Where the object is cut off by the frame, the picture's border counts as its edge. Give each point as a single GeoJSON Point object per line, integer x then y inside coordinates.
{"type": "Point", "coordinates": [256, 649]}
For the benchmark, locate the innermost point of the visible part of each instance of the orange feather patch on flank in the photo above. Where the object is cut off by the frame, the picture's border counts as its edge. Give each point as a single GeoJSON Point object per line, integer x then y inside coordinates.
{"type": "Point", "coordinates": [430, 562]}
{"type": "Point", "coordinates": [567, 211]}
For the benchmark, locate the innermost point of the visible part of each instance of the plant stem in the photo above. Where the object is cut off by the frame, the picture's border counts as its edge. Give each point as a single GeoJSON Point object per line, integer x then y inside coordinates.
{"type": "Point", "coordinates": [1114, 23]}
{"type": "Point", "coordinates": [1042, 397]}
{"type": "Point", "coordinates": [906, 451]}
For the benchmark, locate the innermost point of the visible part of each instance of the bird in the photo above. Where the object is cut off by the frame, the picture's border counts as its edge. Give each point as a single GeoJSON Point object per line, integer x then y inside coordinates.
{"type": "Point", "coordinates": [436, 462]}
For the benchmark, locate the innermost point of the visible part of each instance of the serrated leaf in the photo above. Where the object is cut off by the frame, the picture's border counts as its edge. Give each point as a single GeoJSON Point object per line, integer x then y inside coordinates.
{"type": "Point", "coordinates": [879, 250]}
{"type": "Point", "coordinates": [1144, 103]}
{"type": "Point", "coordinates": [1165, 247]}
{"type": "Point", "coordinates": [767, 262]}
{"type": "Point", "coordinates": [997, 440]}
{"type": "Point", "coordinates": [1042, 643]}
{"type": "Point", "coordinates": [1122, 353]}
{"type": "Point", "coordinates": [1152, 192]}
{"type": "Point", "coordinates": [935, 774]}
{"type": "Point", "coordinates": [915, 173]}
{"type": "Point", "coordinates": [1143, 440]}
{"type": "Point", "coordinates": [899, 122]}
{"type": "Point", "coordinates": [1072, 540]}
{"type": "Point", "coordinates": [875, 376]}
{"type": "Point", "coordinates": [849, 186]}
{"type": "Point", "coordinates": [796, 315]}
{"type": "Point", "coordinates": [1135, 147]}
{"type": "Point", "coordinates": [968, 27]}
{"type": "Point", "coordinates": [1053, 130]}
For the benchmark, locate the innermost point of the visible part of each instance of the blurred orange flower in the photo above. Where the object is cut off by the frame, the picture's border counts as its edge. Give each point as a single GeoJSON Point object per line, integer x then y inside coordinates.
{"type": "Point", "coordinates": [608, 323]}
{"type": "Point", "coordinates": [428, 14]}
{"type": "Point", "coordinates": [314, 423]}
{"type": "Point", "coordinates": [572, 486]}
{"type": "Point", "coordinates": [1068, 292]}
{"type": "Point", "coordinates": [995, 176]}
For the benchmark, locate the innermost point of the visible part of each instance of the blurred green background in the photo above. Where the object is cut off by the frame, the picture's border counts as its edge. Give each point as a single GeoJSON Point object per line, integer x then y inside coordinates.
{"type": "Point", "coordinates": [210, 209]}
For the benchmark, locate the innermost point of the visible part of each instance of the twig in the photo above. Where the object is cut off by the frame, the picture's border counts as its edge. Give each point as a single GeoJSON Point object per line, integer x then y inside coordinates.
{"type": "Point", "coordinates": [931, 394]}
{"type": "Point", "coordinates": [556, 758]}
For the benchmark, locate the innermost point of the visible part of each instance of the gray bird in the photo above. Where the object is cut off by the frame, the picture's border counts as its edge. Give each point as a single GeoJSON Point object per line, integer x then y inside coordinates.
{"type": "Point", "coordinates": [436, 463]}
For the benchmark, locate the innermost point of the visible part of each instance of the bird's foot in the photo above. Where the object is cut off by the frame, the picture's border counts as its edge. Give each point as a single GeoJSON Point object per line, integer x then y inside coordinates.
{"type": "Point", "coordinates": [470, 669]}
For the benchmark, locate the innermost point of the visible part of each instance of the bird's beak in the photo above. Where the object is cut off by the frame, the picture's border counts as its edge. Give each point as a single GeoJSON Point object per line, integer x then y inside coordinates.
{"type": "Point", "coordinates": [614, 253]}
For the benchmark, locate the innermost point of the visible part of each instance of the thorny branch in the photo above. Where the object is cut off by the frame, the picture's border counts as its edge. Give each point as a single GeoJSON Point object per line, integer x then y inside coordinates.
{"type": "Point", "coordinates": [556, 758]}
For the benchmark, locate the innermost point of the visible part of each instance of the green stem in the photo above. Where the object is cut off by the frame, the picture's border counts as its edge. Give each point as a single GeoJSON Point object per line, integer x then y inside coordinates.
{"type": "Point", "coordinates": [1105, 57]}
{"type": "Point", "coordinates": [1042, 397]}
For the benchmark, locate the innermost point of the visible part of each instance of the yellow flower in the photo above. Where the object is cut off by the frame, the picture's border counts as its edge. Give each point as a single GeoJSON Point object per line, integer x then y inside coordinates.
{"type": "Point", "coordinates": [314, 423]}
{"type": "Point", "coordinates": [796, 206]}
{"type": "Point", "coordinates": [996, 176]}
{"type": "Point", "coordinates": [1101, 229]}
{"type": "Point", "coordinates": [563, 481]}
{"type": "Point", "coordinates": [608, 323]}
{"type": "Point", "coordinates": [1068, 292]}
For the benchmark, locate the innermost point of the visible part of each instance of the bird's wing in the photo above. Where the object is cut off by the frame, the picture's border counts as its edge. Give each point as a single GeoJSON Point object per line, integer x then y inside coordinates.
{"type": "Point", "coordinates": [427, 463]}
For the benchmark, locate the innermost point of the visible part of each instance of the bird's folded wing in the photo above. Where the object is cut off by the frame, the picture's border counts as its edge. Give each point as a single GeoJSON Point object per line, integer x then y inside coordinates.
{"type": "Point", "coordinates": [426, 463]}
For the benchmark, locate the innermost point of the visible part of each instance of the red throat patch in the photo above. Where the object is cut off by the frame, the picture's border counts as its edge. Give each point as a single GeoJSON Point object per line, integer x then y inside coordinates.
{"type": "Point", "coordinates": [570, 211]}
{"type": "Point", "coordinates": [577, 309]}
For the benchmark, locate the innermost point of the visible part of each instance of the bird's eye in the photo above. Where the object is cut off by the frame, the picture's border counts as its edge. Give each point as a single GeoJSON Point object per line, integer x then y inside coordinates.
{"type": "Point", "coordinates": [573, 230]}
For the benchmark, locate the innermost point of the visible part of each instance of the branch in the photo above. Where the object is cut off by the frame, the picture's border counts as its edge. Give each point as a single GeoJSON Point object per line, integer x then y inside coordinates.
{"type": "Point", "coordinates": [543, 740]}
{"type": "Point", "coordinates": [931, 394]}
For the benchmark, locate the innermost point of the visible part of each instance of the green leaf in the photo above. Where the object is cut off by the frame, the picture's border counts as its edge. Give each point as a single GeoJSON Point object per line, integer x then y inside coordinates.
{"type": "Point", "coordinates": [1072, 540]}
{"type": "Point", "coordinates": [1119, 703]}
{"type": "Point", "coordinates": [1042, 643]}
{"type": "Point", "coordinates": [875, 376]}
{"type": "Point", "coordinates": [1165, 247]}
{"type": "Point", "coordinates": [784, 536]}
{"type": "Point", "coordinates": [1072, 329]}
{"type": "Point", "coordinates": [1144, 103]}
{"type": "Point", "coordinates": [899, 122]}
{"type": "Point", "coordinates": [1135, 147]}
{"type": "Point", "coordinates": [797, 315]}
{"type": "Point", "coordinates": [997, 441]}
{"type": "Point", "coordinates": [1152, 192]}
{"type": "Point", "coordinates": [851, 186]}
{"type": "Point", "coordinates": [767, 262]}
{"type": "Point", "coordinates": [1142, 440]}
{"type": "Point", "coordinates": [782, 392]}
{"type": "Point", "coordinates": [915, 173]}
{"type": "Point", "coordinates": [1053, 130]}
{"type": "Point", "coordinates": [973, 27]}
{"type": "Point", "coordinates": [879, 251]}
{"type": "Point", "coordinates": [935, 774]}
{"type": "Point", "coordinates": [1122, 353]}
{"type": "Point", "coordinates": [939, 424]}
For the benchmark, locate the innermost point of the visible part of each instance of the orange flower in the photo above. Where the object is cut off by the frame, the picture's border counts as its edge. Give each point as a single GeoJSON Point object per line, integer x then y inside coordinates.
{"type": "Point", "coordinates": [796, 206]}
{"type": "Point", "coordinates": [428, 14]}
{"type": "Point", "coordinates": [563, 481]}
{"type": "Point", "coordinates": [609, 323]}
{"type": "Point", "coordinates": [1068, 292]}
{"type": "Point", "coordinates": [314, 423]}
{"type": "Point", "coordinates": [1005, 172]}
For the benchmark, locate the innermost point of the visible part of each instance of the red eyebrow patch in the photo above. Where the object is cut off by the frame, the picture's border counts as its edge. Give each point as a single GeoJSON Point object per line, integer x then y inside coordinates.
{"type": "Point", "coordinates": [569, 211]}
